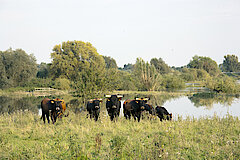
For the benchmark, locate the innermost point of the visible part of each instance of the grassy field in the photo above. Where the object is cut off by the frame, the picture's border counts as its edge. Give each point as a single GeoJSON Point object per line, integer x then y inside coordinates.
{"type": "Point", "coordinates": [24, 136]}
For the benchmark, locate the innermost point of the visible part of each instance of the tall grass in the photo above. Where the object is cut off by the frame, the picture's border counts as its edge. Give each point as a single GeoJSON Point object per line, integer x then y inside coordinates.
{"type": "Point", "coordinates": [24, 136]}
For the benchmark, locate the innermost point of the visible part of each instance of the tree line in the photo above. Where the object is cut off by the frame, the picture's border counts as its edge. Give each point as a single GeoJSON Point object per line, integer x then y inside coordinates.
{"type": "Point", "coordinates": [77, 66]}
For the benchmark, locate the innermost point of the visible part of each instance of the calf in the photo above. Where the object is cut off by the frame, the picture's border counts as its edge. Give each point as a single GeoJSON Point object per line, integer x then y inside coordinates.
{"type": "Point", "coordinates": [113, 105]}
{"type": "Point", "coordinates": [134, 108]}
{"type": "Point", "coordinates": [51, 105]}
{"type": "Point", "coordinates": [93, 108]}
{"type": "Point", "coordinates": [163, 114]}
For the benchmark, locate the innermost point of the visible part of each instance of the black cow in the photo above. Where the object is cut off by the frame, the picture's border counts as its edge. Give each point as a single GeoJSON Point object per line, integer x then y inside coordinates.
{"type": "Point", "coordinates": [113, 105]}
{"type": "Point", "coordinates": [148, 111]}
{"type": "Point", "coordinates": [163, 114]}
{"type": "Point", "coordinates": [93, 108]}
{"type": "Point", "coordinates": [149, 108]}
{"type": "Point", "coordinates": [51, 105]}
{"type": "Point", "coordinates": [134, 108]}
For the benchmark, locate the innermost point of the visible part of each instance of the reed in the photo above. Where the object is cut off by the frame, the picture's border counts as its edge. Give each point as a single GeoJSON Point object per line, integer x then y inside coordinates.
{"type": "Point", "coordinates": [24, 136]}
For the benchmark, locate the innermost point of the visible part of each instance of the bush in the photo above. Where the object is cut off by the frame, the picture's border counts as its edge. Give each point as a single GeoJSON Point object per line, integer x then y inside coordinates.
{"type": "Point", "coordinates": [62, 84]}
{"type": "Point", "coordinates": [173, 82]}
{"type": "Point", "coordinates": [40, 82]}
{"type": "Point", "coordinates": [223, 84]}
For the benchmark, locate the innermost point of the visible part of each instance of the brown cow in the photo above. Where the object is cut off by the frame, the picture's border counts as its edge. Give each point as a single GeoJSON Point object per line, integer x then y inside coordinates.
{"type": "Point", "coordinates": [63, 108]}
{"type": "Point", "coordinates": [51, 105]}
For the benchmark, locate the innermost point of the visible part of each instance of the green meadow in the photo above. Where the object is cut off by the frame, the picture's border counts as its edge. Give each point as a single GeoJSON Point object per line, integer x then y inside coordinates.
{"type": "Point", "coordinates": [24, 136]}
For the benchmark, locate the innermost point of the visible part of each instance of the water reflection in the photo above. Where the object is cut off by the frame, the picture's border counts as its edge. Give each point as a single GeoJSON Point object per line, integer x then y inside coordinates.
{"type": "Point", "coordinates": [13, 104]}
{"type": "Point", "coordinates": [184, 107]}
{"type": "Point", "coordinates": [209, 99]}
{"type": "Point", "coordinates": [197, 105]}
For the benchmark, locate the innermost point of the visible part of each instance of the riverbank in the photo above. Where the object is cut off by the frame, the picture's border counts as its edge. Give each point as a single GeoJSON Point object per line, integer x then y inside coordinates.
{"type": "Point", "coordinates": [24, 136]}
{"type": "Point", "coordinates": [36, 92]}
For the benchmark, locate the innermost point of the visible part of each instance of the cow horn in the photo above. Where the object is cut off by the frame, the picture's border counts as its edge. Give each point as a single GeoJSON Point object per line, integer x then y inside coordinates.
{"type": "Point", "coordinates": [119, 96]}
{"type": "Point", "coordinates": [146, 99]}
{"type": "Point", "coordinates": [107, 96]}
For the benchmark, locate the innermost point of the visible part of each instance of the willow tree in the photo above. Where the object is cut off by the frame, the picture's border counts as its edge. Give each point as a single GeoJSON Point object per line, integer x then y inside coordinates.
{"type": "Point", "coordinates": [147, 75]}
{"type": "Point", "coordinates": [79, 62]}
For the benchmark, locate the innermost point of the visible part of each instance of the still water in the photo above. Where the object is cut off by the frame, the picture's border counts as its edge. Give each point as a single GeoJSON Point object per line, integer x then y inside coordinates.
{"type": "Point", "coordinates": [184, 107]}
{"type": "Point", "coordinates": [193, 106]}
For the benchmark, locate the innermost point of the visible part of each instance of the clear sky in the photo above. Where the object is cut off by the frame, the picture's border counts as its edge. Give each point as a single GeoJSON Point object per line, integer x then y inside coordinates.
{"type": "Point", "coordinates": [174, 30]}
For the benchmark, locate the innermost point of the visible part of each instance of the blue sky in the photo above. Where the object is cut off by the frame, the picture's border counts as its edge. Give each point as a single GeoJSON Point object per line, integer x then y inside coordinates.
{"type": "Point", "coordinates": [174, 30]}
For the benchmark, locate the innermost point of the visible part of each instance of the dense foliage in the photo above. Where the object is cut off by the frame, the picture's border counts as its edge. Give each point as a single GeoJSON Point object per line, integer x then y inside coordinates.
{"type": "Point", "coordinates": [16, 68]}
{"type": "Point", "coordinates": [160, 65]}
{"type": "Point", "coordinates": [80, 63]}
{"type": "Point", "coordinates": [204, 63]}
{"type": "Point", "coordinates": [110, 62]}
{"type": "Point", "coordinates": [231, 64]}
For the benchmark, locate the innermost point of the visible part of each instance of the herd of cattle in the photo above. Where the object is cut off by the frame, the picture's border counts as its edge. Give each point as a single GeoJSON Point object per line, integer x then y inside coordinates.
{"type": "Point", "coordinates": [131, 107]}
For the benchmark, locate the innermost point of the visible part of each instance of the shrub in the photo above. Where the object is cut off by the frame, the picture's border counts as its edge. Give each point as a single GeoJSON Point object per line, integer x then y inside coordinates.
{"type": "Point", "coordinates": [62, 84]}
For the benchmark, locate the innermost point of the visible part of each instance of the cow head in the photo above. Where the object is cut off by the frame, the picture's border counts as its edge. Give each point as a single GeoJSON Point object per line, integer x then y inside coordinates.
{"type": "Point", "coordinates": [149, 108]}
{"type": "Point", "coordinates": [96, 103]}
{"type": "Point", "coordinates": [113, 100]}
{"type": "Point", "coordinates": [169, 117]}
{"type": "Point", "coordinates": [141, 102]}
{"type": "Point", "coordinates": [57, 105]}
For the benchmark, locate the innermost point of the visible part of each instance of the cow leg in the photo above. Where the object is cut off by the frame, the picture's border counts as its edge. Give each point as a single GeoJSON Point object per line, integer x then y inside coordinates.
{"type": "Point", "coordinates": [125, 113]}
{"type": "Point", "coordinates": [96, 117]}
{"type": "Point", "coordinates": [112, 116]}
{"type": "Point", "coordinates": [43, 116]}
{"type": "Point", "coordinates": [91, 115]}
{"type": "Point", "coordinates": [96, 114]}
{"type": "Point", "coordinates": [54, 117]}
{"type": "Point", "coordinates": [47, 115]}
{"type": "Point", "coordinates": [129, 115]}
{"type": "Point", "coordinates": [139, 117]}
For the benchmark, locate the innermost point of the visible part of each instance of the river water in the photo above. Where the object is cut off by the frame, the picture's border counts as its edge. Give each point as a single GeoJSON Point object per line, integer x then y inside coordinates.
{"type": "Point", "coordinates": [193, 106]}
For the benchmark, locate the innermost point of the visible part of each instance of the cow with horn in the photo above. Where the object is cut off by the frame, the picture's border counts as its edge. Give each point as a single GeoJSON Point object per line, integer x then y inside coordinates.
{"type": "Point", "coordinates": [113, 105]}
{"type": "Point", "coordinates": [134, 108]}
{"type": "Point", "coordinates": [93, 108]}
{"type": "Point", "coordinates": [52, 106]}
{"type": "Point", "coordinates": [61, 114]}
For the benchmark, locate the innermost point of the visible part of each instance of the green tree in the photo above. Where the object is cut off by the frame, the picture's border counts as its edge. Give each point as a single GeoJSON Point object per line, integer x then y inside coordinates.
{"type": "Point", "coordinates": [127, 67]}
{"type": "Point", "coordinates": [80, 62]}
{"type": "Point", "coordinates": [43, 70]}
{"type": "Point", "coordinates": [172, 82]}
{"type": "Point", "coordinates": [62, 83]}
{"type": "Point", "coordinates": [3, 77]}
{"type": "Point", "coordinates": [205, 63]}
{"type": "Point", "coordinates": [148, 77]}
{"type": "Point", "coordinates": [160, 65]}
{"type": "Point", "coordinates": [127, 81]}
{"type": "Point", "coordinates": [231, 64]}
{"type": "Point", "coordinates": [110, 62]}
{"type": "Point", "coordinates": [193, 74]}
{"type": "Point", "coordinates": [223, 84]}
{"type": "Point", "coordinates": [19, 67]}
